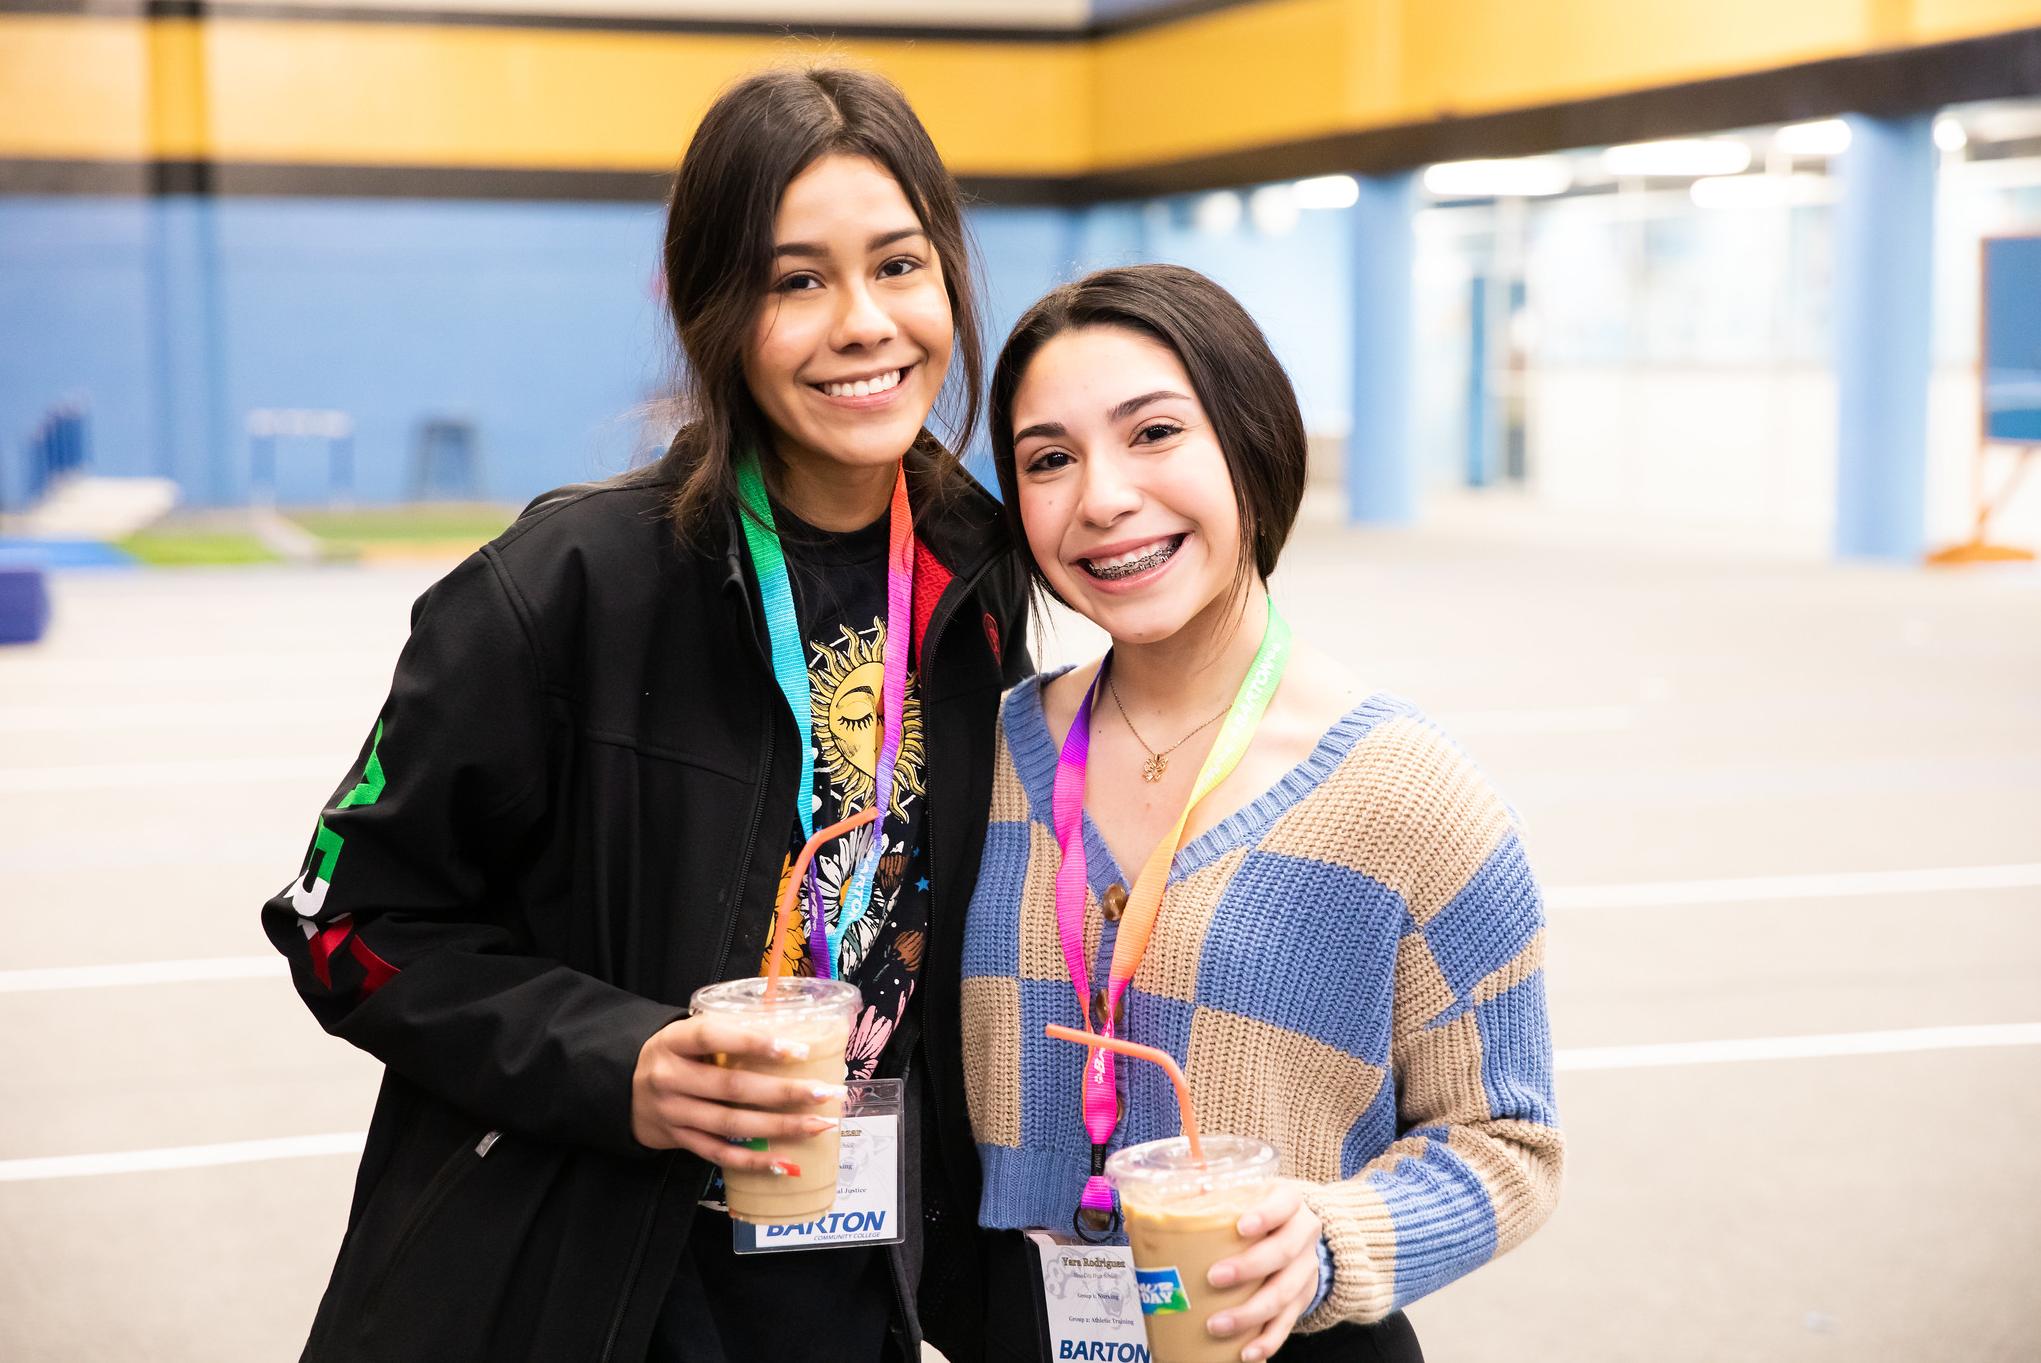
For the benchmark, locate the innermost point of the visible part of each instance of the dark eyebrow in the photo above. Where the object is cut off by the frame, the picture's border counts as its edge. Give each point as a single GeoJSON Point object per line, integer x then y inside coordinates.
{"type": "Point", "coordinates": [1119, 413]}
{"type": "Point", "coordinates": [877, 243]}
{"type": "Point", "coordinates": [1051, 428]}
{"type": "Point", "coordinates": [885, 239]}
{"type": "Point", "coordinates": [1133, 405]}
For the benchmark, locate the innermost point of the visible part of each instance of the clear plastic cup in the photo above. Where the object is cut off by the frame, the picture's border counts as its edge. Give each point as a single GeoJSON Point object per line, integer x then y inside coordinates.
{"type": "Point", "coordinates": [1180, 1215]}
{"type": "Point", "coordinates": [795, 1008]}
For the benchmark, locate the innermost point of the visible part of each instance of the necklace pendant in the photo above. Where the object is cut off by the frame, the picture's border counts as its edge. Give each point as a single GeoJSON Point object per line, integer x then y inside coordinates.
{"type": "Point", "coordinates": [1152, 769]}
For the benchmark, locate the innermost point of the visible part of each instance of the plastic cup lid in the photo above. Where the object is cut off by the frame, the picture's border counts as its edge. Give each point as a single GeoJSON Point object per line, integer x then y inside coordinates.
{"type": "Point", "coordinates": [793, 996]}
{"type": "Point", "coordinates": [1168, 1164]}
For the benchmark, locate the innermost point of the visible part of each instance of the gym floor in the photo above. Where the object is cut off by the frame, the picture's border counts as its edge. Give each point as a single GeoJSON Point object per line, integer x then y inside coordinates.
{"type": "Point", "coordinates": [1788, 815]}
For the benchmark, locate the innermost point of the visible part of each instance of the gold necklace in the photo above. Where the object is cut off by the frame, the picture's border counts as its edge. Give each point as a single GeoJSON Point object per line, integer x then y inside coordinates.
{"type": "Point", "coordinates": [1158, 762]}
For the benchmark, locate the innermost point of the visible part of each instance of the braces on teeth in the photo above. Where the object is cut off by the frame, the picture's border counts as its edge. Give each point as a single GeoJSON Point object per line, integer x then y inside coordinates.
{"type": "Point", "coordinates": [1139, 565]}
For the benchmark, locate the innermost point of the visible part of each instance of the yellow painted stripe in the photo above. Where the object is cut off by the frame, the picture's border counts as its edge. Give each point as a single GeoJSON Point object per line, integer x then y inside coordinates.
{"type": "Point", "coordinates": [1243, 77]}
{"type": "Point", "coordinates": [1508, 55]}
{"type": "Point", "coordinates": [74, 87]}
{"type": "Point", "coordinates": [1941, 21]}
{"type": "Point", "coordinates": [179, 99]}
{"type": "Point", "coordinates": [400, 95]}
{"type": "Point", "coordinates": [1292, 69]}
{"type": "Point", "coordinates": [403, 94]}
{"type": "Point", "coordinates": [1286, 70]}
{"type": "Point", "coordinates": [324, 93]}
{"type": "Point", "coordinates": [1483, 56]}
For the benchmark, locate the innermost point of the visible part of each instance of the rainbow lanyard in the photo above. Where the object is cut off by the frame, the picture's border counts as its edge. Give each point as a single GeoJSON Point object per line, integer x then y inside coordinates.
{"type": "Point", "coordinates": [790, 670]}
{"type": "Point", "coordinates": [1144, 904]}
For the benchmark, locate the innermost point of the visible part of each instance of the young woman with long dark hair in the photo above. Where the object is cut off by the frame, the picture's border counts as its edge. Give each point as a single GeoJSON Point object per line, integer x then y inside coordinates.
{"type": "Point", "coordinates": [610, 729]}
{"type": "Point", "coordinates": [1214, 841]}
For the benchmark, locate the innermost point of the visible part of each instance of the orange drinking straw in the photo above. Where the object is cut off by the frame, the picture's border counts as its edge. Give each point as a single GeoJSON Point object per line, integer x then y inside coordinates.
{"type": "Point", "coordinates": [792, 893]}
{"type": "Point", "coordinates": [1185, 1108]}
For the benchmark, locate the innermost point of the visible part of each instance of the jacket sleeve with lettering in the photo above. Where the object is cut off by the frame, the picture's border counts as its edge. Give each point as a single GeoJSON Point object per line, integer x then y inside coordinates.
{"type": "Point", "coordinates": [390, 929]}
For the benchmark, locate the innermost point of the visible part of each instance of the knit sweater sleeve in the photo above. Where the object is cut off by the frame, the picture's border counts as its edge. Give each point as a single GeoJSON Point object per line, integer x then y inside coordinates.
{"type": "Point", "coordinates": [1476, 1164]}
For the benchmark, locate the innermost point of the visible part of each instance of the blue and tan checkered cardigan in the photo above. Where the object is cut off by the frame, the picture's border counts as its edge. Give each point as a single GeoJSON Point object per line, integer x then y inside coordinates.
{"type": "Point", "coordinates": [1350, 968]}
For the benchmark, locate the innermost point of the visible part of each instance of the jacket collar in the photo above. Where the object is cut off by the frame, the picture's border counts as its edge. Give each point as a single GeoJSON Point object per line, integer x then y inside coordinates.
{"type": "Point", "coordinates": [964, 530]}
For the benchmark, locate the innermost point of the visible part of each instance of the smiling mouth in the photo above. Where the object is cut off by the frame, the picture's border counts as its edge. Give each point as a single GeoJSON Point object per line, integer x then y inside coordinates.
{"type": "Point", "coordinates": [1134, 561]}
{"type": "Point", "coordinates": [863, 388]}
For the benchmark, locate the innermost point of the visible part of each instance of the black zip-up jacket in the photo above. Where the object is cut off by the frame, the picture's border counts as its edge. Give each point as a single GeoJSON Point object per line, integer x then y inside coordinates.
{"type": "Point", "coordinates": [571, 815]}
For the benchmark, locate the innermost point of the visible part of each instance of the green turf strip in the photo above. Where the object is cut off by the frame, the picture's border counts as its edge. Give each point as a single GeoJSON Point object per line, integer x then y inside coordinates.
{"type": "Point", "coordinates": [195, 548]}
{"type": "Point", "coordinates": [399, 524]}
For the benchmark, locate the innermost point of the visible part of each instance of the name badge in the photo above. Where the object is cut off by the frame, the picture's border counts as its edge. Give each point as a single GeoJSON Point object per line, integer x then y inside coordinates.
{"type": "Point", "coordinates": [1092, 1300]}
{"type": "Point", "coordinates": [869, 1172]}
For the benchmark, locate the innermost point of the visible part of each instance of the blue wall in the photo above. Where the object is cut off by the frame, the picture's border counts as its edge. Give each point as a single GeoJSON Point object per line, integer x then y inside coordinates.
{"type": "Point", "coordinates": [74, 293]}
{"type": "Point", "coordinates": [1296, 285]}
{"type": "Point", "coordinates": [540, 322]}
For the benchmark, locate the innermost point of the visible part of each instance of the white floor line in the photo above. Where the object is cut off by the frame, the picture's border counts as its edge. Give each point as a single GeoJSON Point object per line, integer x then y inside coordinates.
{"type": "Point", "coordinates": [1654, 894]}
{"type": "Point", "coordinates": [1566, 1061]}
{"type": "Point", "coordinates": [142, 972]}
{"type": "Point", "coordinates": [349, 709]}
{"type": "Point", "coordinates": [172, 776]}
{"type": "Point", "coordinates": [284, 662]}
{"type": "Point", "coordinates": [1832, 885]}
{"type": "Point", "coordinates": [180, 1157]}
{"type": "Point", "coordinates": [1669, 1053]}
{"type": "Point", "coordinates": [51, 858]}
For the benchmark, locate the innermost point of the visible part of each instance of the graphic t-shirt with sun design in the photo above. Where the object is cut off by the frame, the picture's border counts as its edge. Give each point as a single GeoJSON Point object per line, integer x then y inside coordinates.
{"type": "Point", "coordinates": [839, 585]}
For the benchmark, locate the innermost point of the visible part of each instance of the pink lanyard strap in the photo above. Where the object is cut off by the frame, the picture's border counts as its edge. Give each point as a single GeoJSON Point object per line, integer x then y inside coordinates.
{"type": "Point", "coordinates": [1144, 903]}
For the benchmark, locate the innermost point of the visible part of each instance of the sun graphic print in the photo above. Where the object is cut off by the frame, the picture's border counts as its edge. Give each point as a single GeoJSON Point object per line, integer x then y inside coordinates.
{"type": "Point", "coordinates": [846, 681]}
{"type": "Point", "coordinates": [794, 946]}
{"type": "Point", "coordinates": [846, 686]}
{"type": "Point", "coordinates": [835, 869]}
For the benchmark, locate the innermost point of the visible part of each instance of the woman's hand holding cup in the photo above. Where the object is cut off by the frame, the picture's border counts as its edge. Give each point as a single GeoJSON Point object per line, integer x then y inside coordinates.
{"type": "Point", "coordinates": [685, 1095]}
{"type": "Point", "coordinates": [1285, 1234]}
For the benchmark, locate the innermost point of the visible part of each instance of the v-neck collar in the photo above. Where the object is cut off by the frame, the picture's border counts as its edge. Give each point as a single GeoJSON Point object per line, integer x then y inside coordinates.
{"type": "Point", "coordinates": [1035, 752]}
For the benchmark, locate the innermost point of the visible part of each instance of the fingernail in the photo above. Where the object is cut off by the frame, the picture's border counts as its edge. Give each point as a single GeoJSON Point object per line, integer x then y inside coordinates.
{"type": "Point", "coordinates": [1251, 1354]}
{"type": "Point", "coordinates": [781, 1168]}
{"type": "Point", "coordinates": [1222, 1275]}
{"type": "Point", "coordinates": [1220, 1325]}
{"type": "Point", "coordinates": [824, 1093]}
{"type": "Point", "coordinates": [818, 1124]}
{"type": "Point", "coordinates": [790, 1050]}
{"type": "Point", "coordinates": [1250, 1225]}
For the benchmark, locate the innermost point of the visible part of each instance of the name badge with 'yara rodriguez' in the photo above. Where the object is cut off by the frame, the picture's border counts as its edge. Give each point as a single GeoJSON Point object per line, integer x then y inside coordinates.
{"type": "Point", "coordinates": [1092, 1301]}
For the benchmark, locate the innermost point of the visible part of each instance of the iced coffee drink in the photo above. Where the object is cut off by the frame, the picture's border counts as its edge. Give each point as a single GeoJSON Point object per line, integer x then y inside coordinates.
{"type": "Point", "coordinates": [1180, 1216]}
{"type": "Point", "coordinates": [817, 1014]}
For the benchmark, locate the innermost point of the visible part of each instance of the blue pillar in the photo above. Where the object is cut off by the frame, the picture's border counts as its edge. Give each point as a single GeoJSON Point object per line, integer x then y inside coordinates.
{"type": "Point", "coordinates": [1884, 269]}
{"type": "Point", "coordinates": [1381, 464]}
{"type": "Point", "coordinates": [1481, 424]}
{"type": "Point", "coordinates": [196, 443]}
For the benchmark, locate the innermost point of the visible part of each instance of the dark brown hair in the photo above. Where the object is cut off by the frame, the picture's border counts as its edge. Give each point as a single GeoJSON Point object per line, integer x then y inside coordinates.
{"type": "Point", "coordinates": [1237, 379]}
{"type": "Point", "coordinates": [758, 136]}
